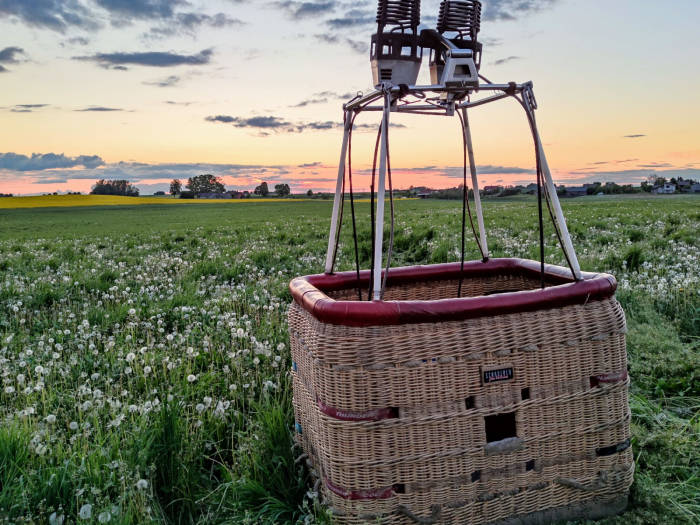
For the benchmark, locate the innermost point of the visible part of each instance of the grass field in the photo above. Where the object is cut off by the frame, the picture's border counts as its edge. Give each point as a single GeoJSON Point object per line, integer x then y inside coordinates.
{"type": "Point", "coordinates": [144, 350]}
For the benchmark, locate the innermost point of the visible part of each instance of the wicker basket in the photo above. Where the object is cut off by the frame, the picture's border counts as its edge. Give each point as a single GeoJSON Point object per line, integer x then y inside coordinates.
{"type": "Point", "coordinates": [507, 405]}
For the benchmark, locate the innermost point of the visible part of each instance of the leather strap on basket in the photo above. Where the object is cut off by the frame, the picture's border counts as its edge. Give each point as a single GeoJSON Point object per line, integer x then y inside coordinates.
{"type": "Point", "coordinates": [598, 484]}
{"type": "Point", "coordinates": [435, 517]}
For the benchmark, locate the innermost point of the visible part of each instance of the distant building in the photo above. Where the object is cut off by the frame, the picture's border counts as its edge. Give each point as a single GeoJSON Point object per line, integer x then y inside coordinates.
{"type": "Point", "coordinates": [695, 188]}
{"type": "Point", "coordinates": [665, 189]}
{"type": "Point", "coordinates": [684, 185]}
{"type": "Point", "coordinates": [578, 191]}
{"type": "Point", "coordinates": [424, 195]}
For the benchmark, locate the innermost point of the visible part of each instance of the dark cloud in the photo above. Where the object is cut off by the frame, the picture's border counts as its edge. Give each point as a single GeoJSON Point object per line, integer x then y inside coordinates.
{"type": "Point", "coordinates": [143, 9]}
{"type": "Point", "coordinates": [355, 45]}
{"type": "Point", "coordinates": [46, 161]}
{"type": "Point", "coordinates": [506, 60]}
{"type": "Point", "coordinates": [189, 23]}
{"type": "Point", "coordinates": [635, 136]}
{"type": "Point", "coordinates": [322, 98]}
{"type": "Point", "coordinates": [310, 165]}
{"type": "Point", "coordinates": [9, 54]}
{"type": "Point", "coordinates": [99, 109]}
{"type": "Point", "coordinates": [76, 41]}
{"type": "Point", "coordinates": [358, 46]}
{"type": "Point", "coordinates": [56, 15]}
{"type": "Point", "coordinates": [149, 58]}
{"type": "Point", "coordinates": [27, 108]}
{"type": "Point", "coordinates": [298, 10]}
{"type": "Point", "coordinates": [174, 103]}
{"type": "Point", "coordinates": [353, 18]}
{"type": "Point", "coordinates": [268, 124]}
{"type": "Point", "coordinates": [458, 171]}
{"type": "Point", "coordinates": [136, 171]}
{"type": "Point", "coordinates": [514, 9]}
{"type": "Point", "coordinates": [165, 82]}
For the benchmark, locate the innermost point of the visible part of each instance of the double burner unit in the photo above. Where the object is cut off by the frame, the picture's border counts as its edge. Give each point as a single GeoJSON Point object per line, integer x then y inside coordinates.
{"type": "Point", "coordinates": [481, 392]}
{"type": "Point", "coordinates": [455, 53]}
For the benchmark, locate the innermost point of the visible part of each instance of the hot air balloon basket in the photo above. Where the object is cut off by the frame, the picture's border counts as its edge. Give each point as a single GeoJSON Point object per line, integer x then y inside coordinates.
{"type": "Point", "coordinates": [507, 404]}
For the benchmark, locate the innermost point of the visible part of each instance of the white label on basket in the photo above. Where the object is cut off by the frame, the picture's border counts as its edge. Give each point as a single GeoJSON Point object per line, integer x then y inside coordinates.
{"type": "Point", "coordinates": [496, 374]}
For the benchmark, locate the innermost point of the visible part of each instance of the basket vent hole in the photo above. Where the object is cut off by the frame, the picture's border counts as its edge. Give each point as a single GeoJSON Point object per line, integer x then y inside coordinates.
{"type": "Point", "coordinates": [500, 426]}
{"type": "Point", "coordinates": [476, 475]}
{"type": "Point", "coordinates": [400, 488]}
{"type": "Point", "coordinates": [525, 394]}
{"type": "Point", "coordinates": [594, 381]}
{"type": "Point", "coordinates": [530, 465]}
{"type": "Point", "coordinates": [469, 402]}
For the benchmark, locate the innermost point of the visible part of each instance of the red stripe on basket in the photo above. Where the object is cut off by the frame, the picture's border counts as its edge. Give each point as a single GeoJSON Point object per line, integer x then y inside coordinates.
{"type": "Point", "coordinates": [384, 493]}
{"type": "Point", "coordinates": [612, 377]}
{"type": "Point", "coordinates": [346, 415]}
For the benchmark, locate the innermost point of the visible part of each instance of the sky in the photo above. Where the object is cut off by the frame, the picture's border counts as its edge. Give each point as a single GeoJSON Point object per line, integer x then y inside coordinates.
{"type": "Point", "coordinates": [249, 90]}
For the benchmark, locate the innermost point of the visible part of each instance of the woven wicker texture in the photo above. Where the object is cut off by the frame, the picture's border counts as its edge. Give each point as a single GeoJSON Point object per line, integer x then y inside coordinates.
{"type": "Point", "coordinates": [470, 421]}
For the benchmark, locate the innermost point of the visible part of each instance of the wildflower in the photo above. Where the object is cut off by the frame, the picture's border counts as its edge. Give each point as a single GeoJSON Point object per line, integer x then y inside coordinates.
{"type": "Point", "coordinates": [9, 390]}
{"type": "Point", "coordinates": [191, 378]}
{"type": "Point", "coordinates": [51, 419]}
{"type": "Point", "coordinates": [142, 484]}
{"type": "Point", "coordinates": [56, 519]}
{"type": "Point", "coordinates": [85, 512]}
{"type": "Point", "coordinates": [130, 357]}
{"type": "Point", "coordinates": [73, 425]}
{"type": "Point", "coordinates": [104, 517]}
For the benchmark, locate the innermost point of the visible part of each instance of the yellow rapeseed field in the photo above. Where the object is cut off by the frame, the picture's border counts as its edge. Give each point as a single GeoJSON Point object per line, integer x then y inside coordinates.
{"type": "Point", "coordinates": [46, 201]}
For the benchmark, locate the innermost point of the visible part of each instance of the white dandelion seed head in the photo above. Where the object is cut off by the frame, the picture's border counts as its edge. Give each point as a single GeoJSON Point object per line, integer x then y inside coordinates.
{"type": "Point", "coordinates": [85, 512]}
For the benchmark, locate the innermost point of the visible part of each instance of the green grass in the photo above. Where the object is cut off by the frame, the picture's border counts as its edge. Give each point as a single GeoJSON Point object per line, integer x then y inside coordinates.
{"type": "Point", "coordinates": [144, 350]}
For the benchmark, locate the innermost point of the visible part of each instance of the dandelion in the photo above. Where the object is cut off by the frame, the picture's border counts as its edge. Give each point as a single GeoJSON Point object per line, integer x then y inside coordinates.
{"type": "Point", "coordinates": [199, 408]}
{"type": "Point", "coordinates": [56, 519]}
{"type": "Point", "coordinates": [142, 484]}
{"type": "Point", "coordinates": [104, 517]}
{"type": "Point", "coordinates": [130, 357]}
{"type": "Point", "coordinates": [85, 512]}
{"type": "Point", "coordinates": [51, 419]}
{"type": "Point", "coordinates": [191, 378]}
{"type": "Point", "coordinates": [73, 425]}
{"type": "Point", "coordinates": [9, 390]}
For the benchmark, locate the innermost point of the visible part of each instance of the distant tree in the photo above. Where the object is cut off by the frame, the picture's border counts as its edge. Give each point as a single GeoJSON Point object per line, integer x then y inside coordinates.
{"type": "Point", "coordinates": [282, 190]}
{"type": "Point", "coordinates": [186, 195]}
{"type": "Point", "coordinates": [207, 183]}
{"type": "Point", "coordinates": [262, 190]}
{"type": "Point", "coordinates": [175, 187]}
{"type": "Point", "coordinates": [309, 193]}
{"type": "Point", "coordinates": [159, 194]}
{"type": "Point", "coordinates": [646, 186]}
{"type": "Point", "coordinates": [114, 187]}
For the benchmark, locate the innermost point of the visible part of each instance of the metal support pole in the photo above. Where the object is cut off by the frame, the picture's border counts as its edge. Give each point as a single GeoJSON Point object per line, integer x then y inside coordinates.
{"type": "Point", "coordinates": [475, 185]}
{"type": "Point", "coordinates": [379, 230]}
{"type": "Point", "coordinates": [554, 199]}
{"type": "Point", "coordinates": [338, 195]}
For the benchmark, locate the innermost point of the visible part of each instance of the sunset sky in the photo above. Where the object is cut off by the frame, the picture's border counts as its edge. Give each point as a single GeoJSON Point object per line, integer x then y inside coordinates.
{"type": "Point", "coordinates": [132, 89]}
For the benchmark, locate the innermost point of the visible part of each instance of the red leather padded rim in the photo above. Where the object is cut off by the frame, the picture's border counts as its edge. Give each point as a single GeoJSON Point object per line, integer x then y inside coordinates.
{"type": "Point", "coordinates": [310, 293]}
